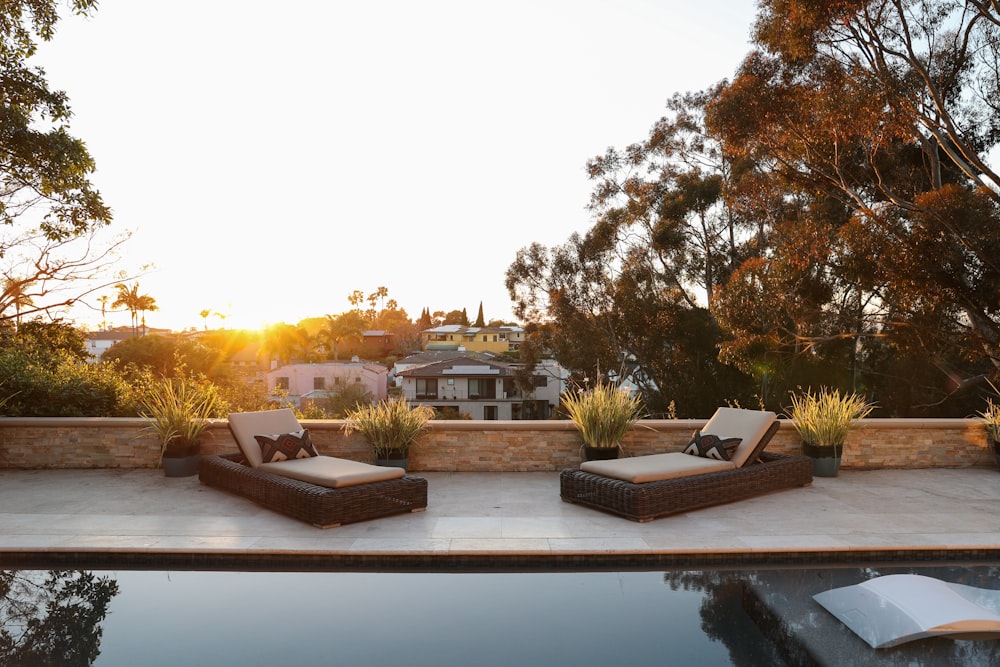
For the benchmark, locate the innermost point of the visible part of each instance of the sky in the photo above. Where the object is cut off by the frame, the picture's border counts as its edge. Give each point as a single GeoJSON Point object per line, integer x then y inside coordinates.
{"type": "Point", "coordinates": [271, 158]}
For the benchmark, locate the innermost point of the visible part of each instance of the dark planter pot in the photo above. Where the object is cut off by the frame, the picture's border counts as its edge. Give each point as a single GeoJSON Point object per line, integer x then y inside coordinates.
{"type": "Point", "coordinates": [995, 446]}
{"type": "Point", "coordinates": [825, 460]}
{"type": "Point", "coordinates": [599, 453]}
{"type": "Point", "coordinates": [183, 466]}
{"type": "Point", "coordinates": [394, 458]}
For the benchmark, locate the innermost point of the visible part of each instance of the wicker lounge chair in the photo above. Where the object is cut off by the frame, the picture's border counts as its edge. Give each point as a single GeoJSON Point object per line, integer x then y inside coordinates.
{"type": "Point", "coordinates": [322, 490]}
{"type": "Point", "coordinates": [644, 488]}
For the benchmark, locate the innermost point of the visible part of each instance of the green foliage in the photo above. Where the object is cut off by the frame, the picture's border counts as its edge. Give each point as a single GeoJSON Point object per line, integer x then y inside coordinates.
{"type": "Point", "coordinates": [339, 404]}
{"type": "Point", "coordinates": [43, 375]}
{"type": "Point", "coordinates": [388, 425]}
{"type": "Point", "coordinates": [603, 414]}
{"type": "Point", "coordinates": [178, 411]}
{"type": "Point", "coordinates": [52, 618]}
{"type": "Point", "coordinates": [823, 418]}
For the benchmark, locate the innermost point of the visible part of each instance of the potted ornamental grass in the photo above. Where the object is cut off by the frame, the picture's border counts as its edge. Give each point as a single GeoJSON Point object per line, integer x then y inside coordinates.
{"type": "Point", "coordinates": [991, 424]}
{"type": "Point", "coordinates": [178, 412]}
{"type": "Point", "coordinates": [822, 420]}
{"type": "Point", "coordinates": [603, 415]}
{"type": "Point", "coordinates": [391, 427]}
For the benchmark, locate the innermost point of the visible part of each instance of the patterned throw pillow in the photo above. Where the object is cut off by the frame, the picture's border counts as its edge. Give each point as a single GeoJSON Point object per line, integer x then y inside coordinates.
{"type": "Point", "coordinates": [712, 446]}
{"type": "Point", "coordinates": [286, 446]}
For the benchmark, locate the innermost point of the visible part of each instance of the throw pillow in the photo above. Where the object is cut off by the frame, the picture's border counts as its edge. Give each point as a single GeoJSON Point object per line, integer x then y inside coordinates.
{"type": "Point", "coordinates": [286, 446]}
{"type": "Point", "coordinates": [712, 446]}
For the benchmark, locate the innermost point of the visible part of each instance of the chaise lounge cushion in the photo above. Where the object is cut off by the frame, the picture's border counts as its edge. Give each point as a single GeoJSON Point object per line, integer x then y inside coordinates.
{"type": "Point", "coordinates": [750, 426]}
{"type": "Point", "coordinates": [245, 425]}
{"type": "Point", "coordinates": [332, 472]}
{"type": "Point", "coordinates": [655, 467]}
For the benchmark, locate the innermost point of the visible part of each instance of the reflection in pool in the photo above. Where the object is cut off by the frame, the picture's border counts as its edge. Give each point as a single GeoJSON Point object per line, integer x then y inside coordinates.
{"type": "Point", "coordinates": [758, 617]}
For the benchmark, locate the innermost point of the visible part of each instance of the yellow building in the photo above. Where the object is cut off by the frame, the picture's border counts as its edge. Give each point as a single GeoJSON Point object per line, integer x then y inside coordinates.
{"type": "Point", "coordinates": [495, 340]}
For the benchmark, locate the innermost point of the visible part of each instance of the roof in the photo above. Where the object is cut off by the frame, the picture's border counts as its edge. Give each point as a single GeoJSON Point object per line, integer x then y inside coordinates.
{"type": "Point", "coordinates": [460, 329]}
{"type": "Point", "coordinates": [431, 355]}
{"type": "Point", "coordinates": [464, 366]}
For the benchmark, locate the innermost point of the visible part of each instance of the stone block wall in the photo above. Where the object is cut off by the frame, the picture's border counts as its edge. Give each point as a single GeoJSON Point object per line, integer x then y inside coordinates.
{"type": "Point", "coordinates": [484, 446]}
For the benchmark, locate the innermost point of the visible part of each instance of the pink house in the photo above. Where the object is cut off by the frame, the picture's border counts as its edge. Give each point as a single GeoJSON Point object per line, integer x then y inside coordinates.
{"type": "Point", "coordinates": [297, 380]}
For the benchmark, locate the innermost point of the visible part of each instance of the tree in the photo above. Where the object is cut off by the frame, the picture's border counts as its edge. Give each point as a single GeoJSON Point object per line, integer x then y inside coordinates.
{"type": "Point", "coordinates": [480, 321]}
{"type": "Point", "coordinates": [49, 210]}
{"type": "Point", "coordinates": [456, 317]}
{"type": "Point", "coordinates": [425, 321]}
{"type": "Point", "coordinates": [339, 329]}
{"type": "Point", "coordinates": [15, 294]}
{"type": "Point", "coordinates": [52, 617]}
{"type": "Point", "coordinates": [624, 298]}
{"type": "Point", "coordinates": [129, 298]}
{"type": "Point", "coordinates": [889, 109]}
{"type": "Point", "coordinates": [44, 365]}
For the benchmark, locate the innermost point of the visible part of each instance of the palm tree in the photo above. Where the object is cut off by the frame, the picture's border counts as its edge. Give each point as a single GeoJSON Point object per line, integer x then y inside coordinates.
{"type": "Point", "coordinates": [339, 328]}
{"type": "Point", "coordinates": [145, 303]}
{"type": "Point", "coordinates": [135, 303]}
{"type": "Point", "coordinates": [14, 294]}
{"type": "Point", "coordinates": [104, 298]}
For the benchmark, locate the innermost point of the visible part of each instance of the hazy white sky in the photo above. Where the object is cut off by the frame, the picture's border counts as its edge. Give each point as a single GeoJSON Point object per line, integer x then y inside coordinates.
{"type": "Point", "coordinates": [270, 158]}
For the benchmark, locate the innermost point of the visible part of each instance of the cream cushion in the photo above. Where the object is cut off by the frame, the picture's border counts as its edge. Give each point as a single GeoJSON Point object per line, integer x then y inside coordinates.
{"type": "Point", "coordinates": [748, 425]}
{"type": "Point", "coordinates": [245, 425]}
{"type": "Point", "coordinates": [656, 467]}
{"type": "Point", "coordinates": [332, 472]}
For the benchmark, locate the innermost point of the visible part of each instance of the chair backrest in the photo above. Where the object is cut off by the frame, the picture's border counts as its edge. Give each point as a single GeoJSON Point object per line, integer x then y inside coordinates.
{"type": "Point", "coordinates": [245, 425]}
{"type": "Point", "coordinates": [750, 426]}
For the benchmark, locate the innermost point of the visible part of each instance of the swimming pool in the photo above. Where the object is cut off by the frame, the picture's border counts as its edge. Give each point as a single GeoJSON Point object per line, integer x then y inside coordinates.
{"type": "Point", "coordinates": [726, 617]}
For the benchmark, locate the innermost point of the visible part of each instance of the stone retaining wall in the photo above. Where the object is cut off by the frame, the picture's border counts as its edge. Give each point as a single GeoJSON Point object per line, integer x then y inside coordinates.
{"type": "Point", "coordinates": [486, 446]}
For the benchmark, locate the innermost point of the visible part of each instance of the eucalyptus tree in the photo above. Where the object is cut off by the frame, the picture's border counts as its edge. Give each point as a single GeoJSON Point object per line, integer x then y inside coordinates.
{"type": "Point", "coordinates": [633, 295]}
{"type": "Point", "coordinates": [880, 115]}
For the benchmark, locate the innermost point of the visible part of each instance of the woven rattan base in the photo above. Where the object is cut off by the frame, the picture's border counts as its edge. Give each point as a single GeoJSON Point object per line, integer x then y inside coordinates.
{"type": "Point", "coordinates": [651, 500]}
{"type": "Point", "coordinates": [321, 506]}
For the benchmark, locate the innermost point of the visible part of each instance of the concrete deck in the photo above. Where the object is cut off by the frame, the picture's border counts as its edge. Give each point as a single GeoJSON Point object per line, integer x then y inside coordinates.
{"type": "Point", "coordinates": [86, 517]}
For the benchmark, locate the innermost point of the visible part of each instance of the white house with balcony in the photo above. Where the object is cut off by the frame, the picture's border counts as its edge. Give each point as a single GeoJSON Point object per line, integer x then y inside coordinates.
{"type": "Point", "coordinates": [484, 389]}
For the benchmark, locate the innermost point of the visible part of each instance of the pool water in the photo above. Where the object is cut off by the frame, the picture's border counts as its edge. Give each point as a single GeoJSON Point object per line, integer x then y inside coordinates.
{"type": "Point", "coordinates": [759, 617]}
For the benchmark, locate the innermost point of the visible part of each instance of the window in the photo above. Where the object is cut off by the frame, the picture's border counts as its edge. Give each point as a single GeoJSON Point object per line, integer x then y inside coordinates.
{"type": "Point", "coordinates": [319, 383]}
{"type": "Point", "coordinates": [490, 412]}
{"type": "Point", "coordinates": [427, 387]}
{"type": "Point", "coordinates": [281, 383]}
{"type": "Point", "coordinates": [482, 388]}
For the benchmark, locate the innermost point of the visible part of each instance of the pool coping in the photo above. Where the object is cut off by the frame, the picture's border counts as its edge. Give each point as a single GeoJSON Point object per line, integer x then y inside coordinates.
{"type": "Point", "coordinates": [480, 561]}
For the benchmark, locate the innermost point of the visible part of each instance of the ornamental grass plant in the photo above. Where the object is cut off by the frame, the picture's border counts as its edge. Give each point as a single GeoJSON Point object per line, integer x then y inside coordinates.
{"type": "Point", "coordinates": [178, 412]}
{"type": "Point", "coordinates": [603, 414]}
{"type": "Point", "coordinates": [991, 418]}
{"type": "Point", "coordinates": [389, 425]}
{"type": "Point", "coordinates": [823, 419]}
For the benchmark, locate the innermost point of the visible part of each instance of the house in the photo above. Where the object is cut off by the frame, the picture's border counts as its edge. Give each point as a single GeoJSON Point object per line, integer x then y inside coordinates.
{"type": "Point", "coordinates": [293, 381]}
{"type": "Point", "coordinates": [430, 356]}
{"type": "Point", "coordinates": [97, 343]}
{"type": "Point", "coordinates": [483, 389]}
{"type": "Point", "coordinates": [494, 339]}
{"type": "Point", "coordinates": [377, 343]}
